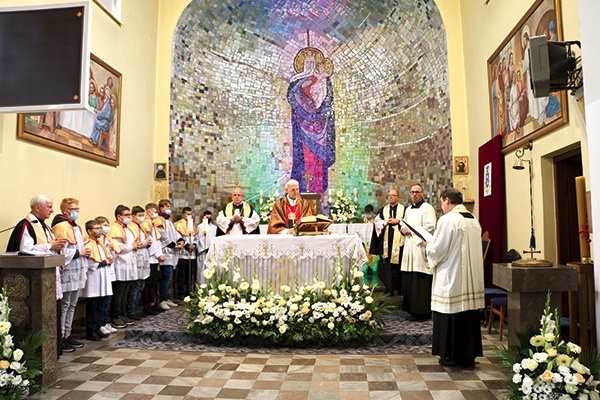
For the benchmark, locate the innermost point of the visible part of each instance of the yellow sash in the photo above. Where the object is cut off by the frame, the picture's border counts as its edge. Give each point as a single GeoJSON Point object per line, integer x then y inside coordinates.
{"type": "Point", "coordinates": [149, 227]}
{"type": "Point", "coordinates": [182, 228]}
{"type": "Point", "coordinates": [64, 230]}
{"type": "Point", "coordinates": [246, 212]}
{"type": "Point", "coordinates": [117, 232]}
{"type": "Point", "coordinates": [116, 247]}
{"type": "Point", "coordinates": [398, 237]}
{"type": "Point", "coordinates": [95, 253]}
{"type": "Point", "coordinates": [40, 234]}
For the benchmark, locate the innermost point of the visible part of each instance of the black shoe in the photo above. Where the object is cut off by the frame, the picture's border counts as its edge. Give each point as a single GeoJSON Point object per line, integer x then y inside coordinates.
{"type": "Point", "coordinates": [102, 335]}
{"type": "Point", "coordinates": [135, 317]}
{"type": "Point", "coordinates": [150, 311]}
{"type": "Point", "coordinates": [94, 337]}
{"type": "Point", "coordinates": [74, 342]}
{"type": "Point", "coordinates": [447, 362]}
{"type": "Point", "coordinates": [118, 323]}
{"type": "Point", "coordinates": [66, 347]}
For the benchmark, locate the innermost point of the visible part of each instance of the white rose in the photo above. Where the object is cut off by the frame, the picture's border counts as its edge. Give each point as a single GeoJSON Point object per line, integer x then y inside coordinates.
{"type": "Point", "coordinates": [208, 273]}
{"type": "Point", "coordinates": [540, 357]}
{"type": "Point", "coordinates": [368, 299]}
{"type": "Point", "coordinates": [529, 364]}
{"type": "Point", "coordinates": [517, 378]}
{"type": "Point", "coordinates": [331, 325]}
{"type": "Point", "coordinates": [17, 355]}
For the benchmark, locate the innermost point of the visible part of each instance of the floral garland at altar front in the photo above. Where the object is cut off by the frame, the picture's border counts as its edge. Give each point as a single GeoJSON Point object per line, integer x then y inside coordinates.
{"type": "Point", "coordinates": [343, 312]}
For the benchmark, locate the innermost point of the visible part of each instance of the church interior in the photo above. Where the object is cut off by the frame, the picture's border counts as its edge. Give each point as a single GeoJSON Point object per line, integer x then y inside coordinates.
{"type": "Point", "coordinates": [203, 92]}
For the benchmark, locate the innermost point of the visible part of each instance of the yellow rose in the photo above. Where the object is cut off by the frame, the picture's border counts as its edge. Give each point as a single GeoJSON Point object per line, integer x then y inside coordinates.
{"type": "Point", "coordinates": [305, 310]}
{"type": "Point", "coordinates": [546, 376]}
{"type": "Point", "coordinates": [4, 364]}
{"type": "Point", "coordinates": [368, 314]}
{"type": "Point", "coordinates": [552, 352]}
{"type": "Point", "coordinates": [579, 377]}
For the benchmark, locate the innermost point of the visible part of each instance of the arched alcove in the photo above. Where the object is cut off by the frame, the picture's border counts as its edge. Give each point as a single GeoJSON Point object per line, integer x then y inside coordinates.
{"type": "Point", "coordinates": [231, 119]}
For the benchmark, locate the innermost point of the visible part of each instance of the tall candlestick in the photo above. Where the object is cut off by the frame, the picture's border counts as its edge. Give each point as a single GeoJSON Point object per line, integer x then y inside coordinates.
{"type": "Point", "coordinates": [205, 226]}
{"type": "Point", "coordinates": [356, 195]}
{"type": "Point", "coordinates": [261, 198]}
{"type": "Point", "coordinates": [582, 219]}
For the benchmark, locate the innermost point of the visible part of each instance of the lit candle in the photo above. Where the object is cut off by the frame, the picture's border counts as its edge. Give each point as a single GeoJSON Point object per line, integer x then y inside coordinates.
{"type": "Point", "coordinates": [205, 226]}
{"type": "Point", "coordinates": [582, 219]}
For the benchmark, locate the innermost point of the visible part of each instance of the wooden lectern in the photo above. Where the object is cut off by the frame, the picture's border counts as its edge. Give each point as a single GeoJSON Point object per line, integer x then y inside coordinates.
{"type": "Point", "coordinates": [30, 283]}
{"type": "Point", "coordinates": [527, 289]}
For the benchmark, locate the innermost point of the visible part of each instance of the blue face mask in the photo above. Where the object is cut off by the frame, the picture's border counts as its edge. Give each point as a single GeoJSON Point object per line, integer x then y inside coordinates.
{"type": "Point", "coordinates": [126, 221]}
{"type": "Point", "coordinates": [105, 230]}
{"type": "Point", "coordinates": [73, 215]}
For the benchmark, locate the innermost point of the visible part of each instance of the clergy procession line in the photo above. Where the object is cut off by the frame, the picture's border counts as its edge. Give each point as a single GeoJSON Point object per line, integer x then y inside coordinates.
{"type": "Point", "coordinates": [125, 271]}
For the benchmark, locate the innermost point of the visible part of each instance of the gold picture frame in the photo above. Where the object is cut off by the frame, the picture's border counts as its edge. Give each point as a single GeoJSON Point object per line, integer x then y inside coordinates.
{"type": "Point", "coordinates": [160, 171]}
{"type": "Point", "coordinates": [514, 113]}
{"type": "Point", "coordinates": [92, 133]}
{"type": "Point", "coordinates": [461, 165]}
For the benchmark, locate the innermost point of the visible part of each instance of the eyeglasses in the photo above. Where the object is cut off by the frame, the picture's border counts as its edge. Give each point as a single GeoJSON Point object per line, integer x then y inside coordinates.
{"type": "Point", "coordinates": [73, 209]}
{"type": "Point", "coordinates": [415, 192]}
{"type": "Point", "coordinates": [126, 215]}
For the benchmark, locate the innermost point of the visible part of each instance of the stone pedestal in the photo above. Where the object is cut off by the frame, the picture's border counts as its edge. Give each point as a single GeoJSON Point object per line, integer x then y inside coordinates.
{"type": "Point", "coordinates": [30, 282]}
{"type": "Point", "coordinates": [527, 289]}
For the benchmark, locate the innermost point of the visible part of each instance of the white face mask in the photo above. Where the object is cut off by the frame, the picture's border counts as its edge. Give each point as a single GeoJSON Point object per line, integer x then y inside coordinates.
{"type": "Point", "coordinates": [155, 215]}
{"type": "Point", "coordinates": [140, 219]}
{"type": "Point", "coordinates": [168, 211]}
{"type": "Point", "coordinates": [126, 221]}
{"type": "Point", "coordinates": [105, 230]}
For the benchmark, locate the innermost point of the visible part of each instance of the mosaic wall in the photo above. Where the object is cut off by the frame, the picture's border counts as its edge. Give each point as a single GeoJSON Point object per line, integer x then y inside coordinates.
{"type": "Point", "coordinates": [386, 84]}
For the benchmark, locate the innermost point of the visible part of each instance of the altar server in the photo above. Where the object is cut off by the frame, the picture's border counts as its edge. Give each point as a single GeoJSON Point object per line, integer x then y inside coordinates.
{"type": "Point", "coordinates": [98, 284]}
{"type": "Point", "coordinates": [74, 272]}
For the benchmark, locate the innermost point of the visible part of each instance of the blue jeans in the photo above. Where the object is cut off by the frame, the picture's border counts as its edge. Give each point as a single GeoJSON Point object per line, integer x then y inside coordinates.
{"type": "Point", "coordinates": [133, 299]}
{"type": "Point", "coordinates": [167, 275]}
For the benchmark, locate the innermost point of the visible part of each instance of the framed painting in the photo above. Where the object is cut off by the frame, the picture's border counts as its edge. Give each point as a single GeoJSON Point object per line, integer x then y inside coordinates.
{"type": "Point", "coordinates": [461, 165]}
{"type": "Point", "coordinates": [160, 171]}
{"type": "Point", "coordinates": [515, 114]}
{"type": "Point", "coordinates": [112, 8]}
{"type": "Point", "coordinates": [92, 133]}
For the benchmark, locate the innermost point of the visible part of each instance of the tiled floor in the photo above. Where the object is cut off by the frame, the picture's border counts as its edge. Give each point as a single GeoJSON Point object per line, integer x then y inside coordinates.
{"type": "Point", "coordinates": [99, 371]}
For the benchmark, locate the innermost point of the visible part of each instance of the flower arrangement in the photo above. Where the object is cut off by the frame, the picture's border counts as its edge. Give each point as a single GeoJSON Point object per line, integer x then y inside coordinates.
{"type": "Point", "coordinates": [267, 206]}
{"type": "Point", "coordinates": [18, 367]}
{"type": "Point", "coordinates": [342, 208]}
{"type": "Point", "coordinates": [546, 368]}
{"type": "Point", "coordinates": [342, 312]}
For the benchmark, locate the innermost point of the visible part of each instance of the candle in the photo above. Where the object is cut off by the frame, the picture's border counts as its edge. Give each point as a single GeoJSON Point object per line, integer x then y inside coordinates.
{"type": "Point", "coordinates": [261, 198]}
{"type": "Point", "coordinates": [205, 226]}
{"type": "Point", "coordinates": [356, 195]}
{"type": "Point", "coordinates": [190, 225]}
{"type": "Point", "coordinates": [582, 219]}
{"type": "Point", "coordinates": [330, 193]}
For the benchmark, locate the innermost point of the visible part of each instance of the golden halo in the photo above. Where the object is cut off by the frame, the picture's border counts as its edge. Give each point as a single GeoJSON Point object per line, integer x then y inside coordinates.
{"type": "Point", "coordinates": [302, 54]}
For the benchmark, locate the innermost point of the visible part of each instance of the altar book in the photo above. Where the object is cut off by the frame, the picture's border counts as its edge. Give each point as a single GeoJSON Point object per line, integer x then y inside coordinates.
{"type": "Point", "coordinates": [313, 225]}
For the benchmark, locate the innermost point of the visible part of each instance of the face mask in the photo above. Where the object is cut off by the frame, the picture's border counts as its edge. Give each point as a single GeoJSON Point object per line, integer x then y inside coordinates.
{"type": "Point", "coordinates": [98, 235]}
{"type": "Point", "coordinates": [105, 230]}
{"type": "Point", "coordinates": [168, 211]}
{"type": "Point", "coordinates": [155, 215]}
{"type": "Point", "coordinates": [73, 215]}
{"type": "Point", "coordinates": [140, 220]}
{"type": "Point", "coordinates": [126, 221]}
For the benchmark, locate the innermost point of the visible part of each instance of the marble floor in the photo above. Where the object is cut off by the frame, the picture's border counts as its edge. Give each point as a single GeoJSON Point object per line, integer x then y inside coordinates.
{"type": "Point", "coordinates": [100, 370]}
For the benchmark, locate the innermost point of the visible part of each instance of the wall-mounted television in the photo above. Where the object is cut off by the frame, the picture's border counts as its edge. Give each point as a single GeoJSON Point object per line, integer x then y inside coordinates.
{"type": "Point", "coordinates": [44, 57]}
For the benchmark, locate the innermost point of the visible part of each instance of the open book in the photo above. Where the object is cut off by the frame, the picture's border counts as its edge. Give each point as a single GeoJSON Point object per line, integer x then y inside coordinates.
{"type": "Point", "coordinates": [313, 225]}
{"type": "Point", "coordinates": [419, 231]}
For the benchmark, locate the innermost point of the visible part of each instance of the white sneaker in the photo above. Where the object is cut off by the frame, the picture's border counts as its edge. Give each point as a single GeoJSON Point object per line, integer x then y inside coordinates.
{"type": "Point", "coordinates": [163, 305]}
{"type": "Point", "coordinates": [110, 328]}
{"type": "Point", "coordinates": [105, 330]}
{"type": "Point", "coordinates": [171, 303]}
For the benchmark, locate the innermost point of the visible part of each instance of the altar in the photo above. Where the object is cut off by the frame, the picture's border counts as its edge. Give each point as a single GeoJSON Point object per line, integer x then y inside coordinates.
{"type": "Point", "coordinates": [285, 259]}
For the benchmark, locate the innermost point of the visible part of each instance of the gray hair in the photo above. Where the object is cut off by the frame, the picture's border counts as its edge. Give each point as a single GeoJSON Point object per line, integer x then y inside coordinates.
{"type": "Point", "coordinates": [291, 182]}
{"type": "Point", "coordinates": [39, 199]}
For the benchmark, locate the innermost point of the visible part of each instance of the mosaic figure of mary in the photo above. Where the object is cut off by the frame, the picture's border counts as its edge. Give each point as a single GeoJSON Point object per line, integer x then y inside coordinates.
{"type": "Point", "coordinates": [310, 95]}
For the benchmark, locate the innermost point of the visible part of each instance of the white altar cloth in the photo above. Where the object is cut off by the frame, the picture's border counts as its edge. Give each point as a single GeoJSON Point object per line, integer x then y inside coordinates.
{"type": "Point", "coordinates": [281, 259]}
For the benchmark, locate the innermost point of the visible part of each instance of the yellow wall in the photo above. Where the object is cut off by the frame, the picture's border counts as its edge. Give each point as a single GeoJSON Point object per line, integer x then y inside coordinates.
{"type": "Point", "coordinates": [484, 28]}
{"type": "Point", "coordinates": [29, 169]}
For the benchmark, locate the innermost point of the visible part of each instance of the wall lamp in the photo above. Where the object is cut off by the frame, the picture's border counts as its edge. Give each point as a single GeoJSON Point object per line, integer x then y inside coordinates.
{"type": "Point", "coordinates": [520, 153]}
